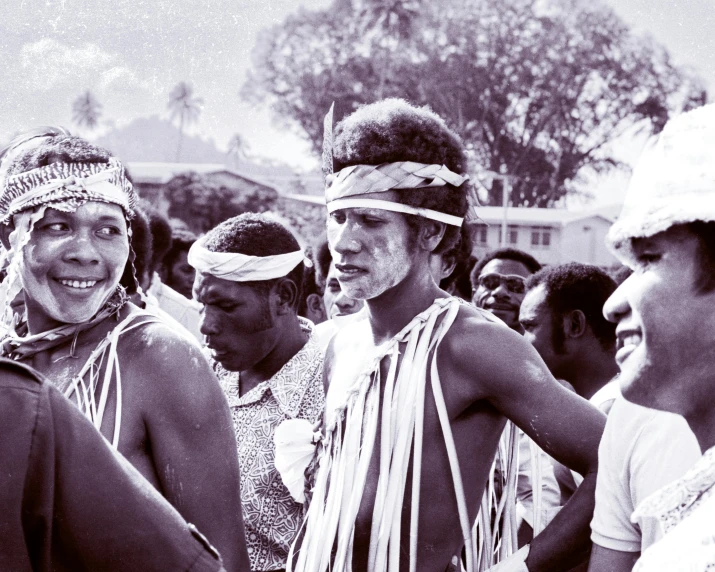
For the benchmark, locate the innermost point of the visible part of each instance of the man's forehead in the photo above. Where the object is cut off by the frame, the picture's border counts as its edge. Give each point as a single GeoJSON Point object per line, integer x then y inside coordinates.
{"type": "Point", "coordinates": [89, 209]}
{"type": "Point", "coordinates": [534, 302]}
{"type": "Point", "coordinates": [209, 286]}
{"type": "Point", "coordinates": [505, 266]}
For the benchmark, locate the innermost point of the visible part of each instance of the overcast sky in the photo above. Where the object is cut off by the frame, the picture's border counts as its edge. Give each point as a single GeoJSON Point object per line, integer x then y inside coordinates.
{"type": "Point", "coordinates": [130, 53]}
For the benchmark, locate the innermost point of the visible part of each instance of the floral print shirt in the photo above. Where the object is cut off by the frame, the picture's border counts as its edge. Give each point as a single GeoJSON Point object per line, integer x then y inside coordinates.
{"type": "Point", "coordinates": [271, 516]}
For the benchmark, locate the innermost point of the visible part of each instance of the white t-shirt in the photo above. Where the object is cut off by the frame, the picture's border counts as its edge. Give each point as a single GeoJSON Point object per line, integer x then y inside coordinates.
{"type": "Point", "coordinates": [641, 451]}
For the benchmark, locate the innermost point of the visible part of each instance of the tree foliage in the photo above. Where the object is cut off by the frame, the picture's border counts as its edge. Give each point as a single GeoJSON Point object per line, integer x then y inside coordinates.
{"type": "Point", "coordinates": [537, 89]}
{"type": "Point", "coordinates": [184, 106]}
{"type": "Point", "coordinates": [86, 111]}
{"type": "Point", "coordinates": [202, 203]}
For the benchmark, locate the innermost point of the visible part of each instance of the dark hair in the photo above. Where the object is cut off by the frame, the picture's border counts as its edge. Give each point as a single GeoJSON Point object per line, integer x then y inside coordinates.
{"type": "Point", "coordinates": [458, 283]}
{"type": "Point", "coordinates": [257, 235]}
{"type": "Point", "coordinates": [181, 241]}
{"type": "Point", "coordinates": [532, 265]}
{"type": "Point", "coordinates": [322, 259]}
{"type": "Point", "coordinates": [140, 252]}
{"type": "Point", "coordinates": [161, 237]}
{"type": "Point", "coordinates": [57, 148]}
{"type": "Point", "coordinates": [392, 130]}
{"type": "Point", "coordinates": [576, 286]}
{"type": "Point", "coordinates": [705, 232]}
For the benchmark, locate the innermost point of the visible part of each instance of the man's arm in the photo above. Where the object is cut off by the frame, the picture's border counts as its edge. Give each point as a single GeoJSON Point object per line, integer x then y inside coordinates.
{"type": "Point", "coordinates": [193, 444]}
{"type": "Point", "coordinates": [515, 380]}
{"type": "Point", "coordinates": [605, 559]}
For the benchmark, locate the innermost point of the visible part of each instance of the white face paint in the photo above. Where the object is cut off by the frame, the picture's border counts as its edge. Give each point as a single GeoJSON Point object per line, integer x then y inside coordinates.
{"type": "Point", "coordinates": [370, 249]}
{"type": "Point", "coordinates": [73, 264]}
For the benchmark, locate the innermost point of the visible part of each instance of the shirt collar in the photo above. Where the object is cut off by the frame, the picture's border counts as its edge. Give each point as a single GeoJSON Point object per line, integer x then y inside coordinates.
{"type": "Point", "coordinates": [290, 383]}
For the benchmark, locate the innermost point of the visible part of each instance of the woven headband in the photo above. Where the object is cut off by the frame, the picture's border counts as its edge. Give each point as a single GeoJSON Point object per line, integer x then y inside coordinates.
{"type": "Point", "coordinates": [238, 267]}
{"type": "Point", "coordinates": [368, 179]}
{"type": "Point", "coordinates": [72, 183]}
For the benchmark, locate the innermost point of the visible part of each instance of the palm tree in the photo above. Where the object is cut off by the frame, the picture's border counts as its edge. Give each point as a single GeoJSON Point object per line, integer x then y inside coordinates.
{"type": "Point", "coordinates": [186, 106]}
{"type": "Point", "coordinates": [237, 148]}
{"type": "Point", "coordinates": [86, 111]}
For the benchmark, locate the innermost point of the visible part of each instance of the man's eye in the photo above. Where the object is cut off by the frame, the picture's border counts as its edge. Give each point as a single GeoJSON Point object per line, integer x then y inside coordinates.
{"type": "Point", "coordinates": [228, 307]}
{"type": "Point", "coordinates": [648, 258]}
{"type": "Point", "coordinates": [338, 217]}
{"type": "Point", "coordinates": [56, 226]}
{"type": "Point", "coordinates": [109, 231]}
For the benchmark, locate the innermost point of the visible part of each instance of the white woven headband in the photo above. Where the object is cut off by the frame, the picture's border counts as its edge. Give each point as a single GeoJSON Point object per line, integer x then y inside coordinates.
{"type": "Point", "coordinates": [361, 180]}
{"type": "Point", "coordinates": [242, 267]}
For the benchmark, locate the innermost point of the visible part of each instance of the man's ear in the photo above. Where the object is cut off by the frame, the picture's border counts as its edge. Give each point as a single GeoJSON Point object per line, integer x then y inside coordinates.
{"type": "Point", "coordinates": [5, 230]}
{"type": "Point", "coordinates": [287, 296]}
{"type": "Point", "coordinates": [316, 308]}
{"type": "Point", "coordinates": [574, 324]}
{"type": "Point", "coordinates": [431, 234]}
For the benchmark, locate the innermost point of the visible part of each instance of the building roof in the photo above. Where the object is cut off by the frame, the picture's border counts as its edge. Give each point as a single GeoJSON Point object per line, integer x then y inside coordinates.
{"type": "Point", "coordinates": [161, 173]}
{"type": "Point", "coordinates": [515, 215]}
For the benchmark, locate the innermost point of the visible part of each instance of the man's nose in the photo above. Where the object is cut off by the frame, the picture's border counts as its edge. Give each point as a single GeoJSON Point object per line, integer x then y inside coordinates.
{"type": "Point", "coordinates": [617, 306]}
{"type": "Point", "coordinates": [345, 302]}
{"type": "Point", "coordinates": [208, 325]}
{"type": "Point", "coordinates": [344, 239]}
{"type": "Point", "coordinates": [82, 249]}
{"type": "Point", "coordinates": [501, 291]}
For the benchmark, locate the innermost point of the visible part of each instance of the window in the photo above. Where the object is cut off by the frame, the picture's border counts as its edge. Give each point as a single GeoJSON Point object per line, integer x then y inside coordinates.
{"type": "Point", "coordinates": [481, 235]}
{"type": "Point", "coordinates": [512, 235]}
{"type": "Point", "coordinates": [541, 237]}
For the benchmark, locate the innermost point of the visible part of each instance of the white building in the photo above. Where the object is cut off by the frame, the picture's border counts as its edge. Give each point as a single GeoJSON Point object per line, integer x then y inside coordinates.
{"type": "Point", "coordinates": [552, 236]}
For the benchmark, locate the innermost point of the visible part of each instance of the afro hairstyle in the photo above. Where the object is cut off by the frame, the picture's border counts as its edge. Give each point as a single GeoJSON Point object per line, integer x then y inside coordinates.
{"type": "Point", "coordinates": [393, 130]}
{"type": "Point", "coordinates": [257, 235]}
{"type": "Point", "coordinates": [57, 148]}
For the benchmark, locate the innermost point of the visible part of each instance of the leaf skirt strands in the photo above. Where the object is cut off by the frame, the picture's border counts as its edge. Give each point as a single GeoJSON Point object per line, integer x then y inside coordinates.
{"type": "Point", "coordinates": [347, 449]}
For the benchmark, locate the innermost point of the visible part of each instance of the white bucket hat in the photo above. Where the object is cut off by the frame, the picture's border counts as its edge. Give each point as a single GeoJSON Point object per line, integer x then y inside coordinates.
{"type": "Point", "coordinates": [673, 182]}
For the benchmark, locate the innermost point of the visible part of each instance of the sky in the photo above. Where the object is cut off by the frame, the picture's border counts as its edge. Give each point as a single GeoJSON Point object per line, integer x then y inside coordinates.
{"type": "Point", "coordinates": [130, 53]}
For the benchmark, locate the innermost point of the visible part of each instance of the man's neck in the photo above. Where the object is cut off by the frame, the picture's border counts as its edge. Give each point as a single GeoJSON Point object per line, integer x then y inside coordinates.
{"type": "Point", "coordinates": [588, 376]}
{"type": "Point", "coordinates": [392, 310]}
{"type": "Point", "coordinates": [291, 340]}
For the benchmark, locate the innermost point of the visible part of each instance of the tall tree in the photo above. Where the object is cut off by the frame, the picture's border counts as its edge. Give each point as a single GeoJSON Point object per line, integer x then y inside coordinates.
{"type": "Point", "coordinates": [537, 89]}
{"type": "Point", "coordinates": [184, 106]}
{"type": "Point", "coordinates": [86, 111]}
{"type": "Point", "coordinates": [237, 149]}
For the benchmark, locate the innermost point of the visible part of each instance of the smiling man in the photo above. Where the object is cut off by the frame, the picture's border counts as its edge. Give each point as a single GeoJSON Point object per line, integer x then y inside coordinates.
{"type": "Point", "coordinates": [249, 272]}
{"type": "Point", "coordinates": [665, 315]}
{"type": "Point", "coordinates": [498, 283]}
{"type": "Point", "coordinates": [420, 390]}
{"type": "Point", "coordinates": [66, 208]}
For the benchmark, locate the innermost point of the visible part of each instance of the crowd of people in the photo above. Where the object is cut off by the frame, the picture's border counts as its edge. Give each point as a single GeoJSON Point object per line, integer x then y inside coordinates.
{"type": "Point", "coordinates": [379, 401]}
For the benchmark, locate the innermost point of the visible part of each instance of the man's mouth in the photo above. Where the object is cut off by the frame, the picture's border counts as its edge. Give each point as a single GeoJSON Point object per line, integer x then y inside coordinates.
{"type": "Point", "coordinates": [501, 307]}
{"type": "Point", "coordinates": [627, 341]}
{"type": "Point", "coordinates": [349, 270]}
{"type": "Point", "coordinates": [78, 284]}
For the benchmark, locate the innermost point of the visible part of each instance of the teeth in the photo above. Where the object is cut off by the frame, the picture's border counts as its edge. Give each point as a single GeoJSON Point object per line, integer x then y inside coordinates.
{"type": "Point", "coordinates": [78, 284]}
{"type": "Point", "coordinates": [631, 340]}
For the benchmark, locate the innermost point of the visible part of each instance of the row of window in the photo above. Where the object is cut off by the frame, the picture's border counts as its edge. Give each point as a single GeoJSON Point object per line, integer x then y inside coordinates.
{"type": "Point", "coordinates": [540, 236]}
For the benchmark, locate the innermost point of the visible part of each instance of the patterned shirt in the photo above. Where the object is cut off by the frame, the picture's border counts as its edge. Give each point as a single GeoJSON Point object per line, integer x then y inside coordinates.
{"type": "Point", "coordinates": [271, 516]}
{"type": "Point", "coordinates": [686, 510]}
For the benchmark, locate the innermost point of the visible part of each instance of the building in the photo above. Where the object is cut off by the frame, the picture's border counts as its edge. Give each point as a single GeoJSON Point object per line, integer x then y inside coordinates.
{"type": "Point", "coordinates": [552, 236]}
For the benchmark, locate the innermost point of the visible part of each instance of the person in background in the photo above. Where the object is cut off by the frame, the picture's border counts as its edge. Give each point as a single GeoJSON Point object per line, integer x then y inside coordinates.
{"type": "Point", "coordinates": [311, 305]}
{"type": "Point", "coordinates": [499, 283]}
{"type": "Point", "coordinates": [176, 272]}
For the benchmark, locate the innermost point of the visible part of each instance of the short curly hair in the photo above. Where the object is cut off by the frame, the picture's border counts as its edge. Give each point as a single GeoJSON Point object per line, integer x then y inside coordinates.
{"type": "Point", "coordinates": [393, 130]}
{"type": "Point", "coordinates": [58, 148]}
{"type": "Point", "coordinates": [576, 286]}
{"type": "Point", "coordinates": [257, 234]}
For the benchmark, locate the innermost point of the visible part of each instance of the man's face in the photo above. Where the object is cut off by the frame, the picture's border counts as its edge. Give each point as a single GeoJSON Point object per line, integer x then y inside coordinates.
{"type": "Point", "coordinates": [237, 320]}
{"type": "Point", "coordinates": [336, 302]}
{"type": "Point", "coordinates": [501, 297]}
{"type": "Point", "coordinates": [536, 319]}
{"type": "Point", "coordinates": [73, 263]}
{"type": "Point", "coordinates": [371, 249]}
{"type": "Point", "coordinates": [181, 275]}
{"type": "Point", "coordinates": [666, 328]}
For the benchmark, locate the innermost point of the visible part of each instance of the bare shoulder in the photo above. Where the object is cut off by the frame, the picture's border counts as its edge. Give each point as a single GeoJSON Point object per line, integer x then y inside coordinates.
{"type": "Point", "coordinates": [483, 353]}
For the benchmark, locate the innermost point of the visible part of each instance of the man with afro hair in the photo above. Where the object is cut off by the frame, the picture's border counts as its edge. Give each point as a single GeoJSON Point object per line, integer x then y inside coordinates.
{"type": "Point", "coordinates": [420, 390]}
{"type": "Point", "coordinates": [249, 277]}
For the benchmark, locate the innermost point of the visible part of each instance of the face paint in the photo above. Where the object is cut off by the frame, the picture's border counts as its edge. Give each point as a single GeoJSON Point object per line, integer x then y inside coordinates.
{"type": "Point", "coordinates": [73, 263]}
{"type": "Point", "coordinates": [371, 250]}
